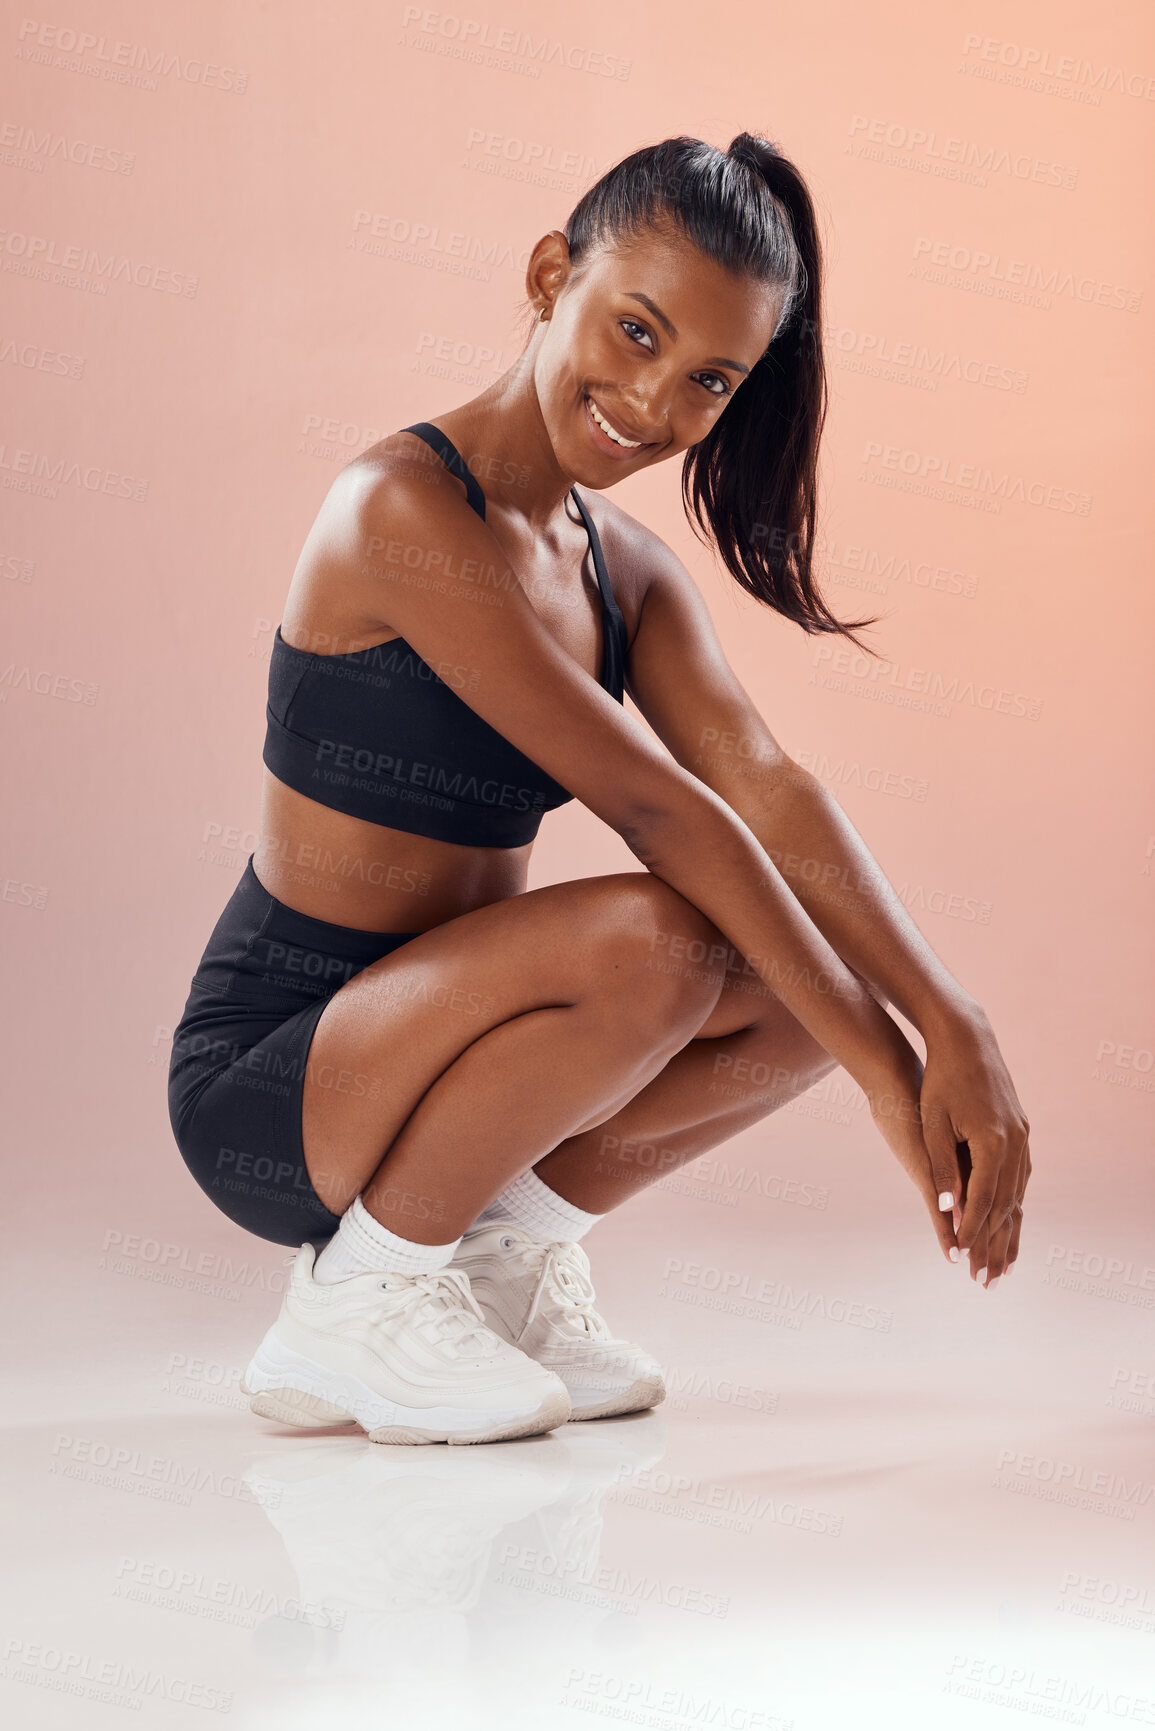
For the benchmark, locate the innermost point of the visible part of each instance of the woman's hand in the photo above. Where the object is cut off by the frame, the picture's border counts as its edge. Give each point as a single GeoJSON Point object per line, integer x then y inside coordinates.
{"type": "Point", "coordinates": [968, 1098]}
{"type": "Point", "coordinates": [895, 1107]}
{"type": "Point", "coordinates": [958, 1130]}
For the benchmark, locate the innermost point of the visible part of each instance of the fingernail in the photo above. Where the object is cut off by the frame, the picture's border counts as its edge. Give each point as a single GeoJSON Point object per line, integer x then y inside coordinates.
{"type": "Point", "coordinates": [953, 1253]}
{"type": "Point", "coordinates": [991, 1284]}
{"type": "Point", "coordinates": [981, 1276]}
{"type": "Point", "coordinates": [946, 1199]}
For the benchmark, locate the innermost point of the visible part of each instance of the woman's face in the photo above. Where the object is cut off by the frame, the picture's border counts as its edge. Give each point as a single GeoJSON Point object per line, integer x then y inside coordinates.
{"type": "Point", "coordinates": [653, 337]}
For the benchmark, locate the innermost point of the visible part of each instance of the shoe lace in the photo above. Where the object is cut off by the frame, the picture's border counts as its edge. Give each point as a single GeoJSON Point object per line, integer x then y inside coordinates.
{"type": "Point", "coordinates": [447, 1301]}
{"type": "Point", "coordinates": [565, 1278]}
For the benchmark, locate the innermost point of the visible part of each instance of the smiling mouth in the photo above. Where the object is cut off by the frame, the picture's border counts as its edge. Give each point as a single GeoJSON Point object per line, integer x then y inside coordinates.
{"type": "Point", "coordinates": [612, 432]}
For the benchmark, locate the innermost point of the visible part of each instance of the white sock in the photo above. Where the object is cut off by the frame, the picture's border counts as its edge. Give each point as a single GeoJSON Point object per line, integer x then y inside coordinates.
{"type": "Point", "coordinates": [529, 1203]}
{"type": "Point", "coordinates": [361, 1245]}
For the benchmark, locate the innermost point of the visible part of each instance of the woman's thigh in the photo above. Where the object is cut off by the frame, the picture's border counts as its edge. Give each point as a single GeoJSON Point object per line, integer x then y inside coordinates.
{"type": "Point", "coordinates": [615, 945]}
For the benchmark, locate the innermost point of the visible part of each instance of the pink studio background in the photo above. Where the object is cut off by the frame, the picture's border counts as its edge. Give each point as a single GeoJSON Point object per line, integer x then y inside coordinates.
{"type": "Point", "coordinates": [251, 172]}
{"type": "Point", "coordinates": [983, 173]}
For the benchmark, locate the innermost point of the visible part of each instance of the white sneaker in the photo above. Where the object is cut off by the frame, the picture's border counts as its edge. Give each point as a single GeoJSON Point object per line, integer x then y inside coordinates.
{"type": "Point", "coordinates": [407, 1356]}
{"type": "Point", "coordinates": [541, 1299]}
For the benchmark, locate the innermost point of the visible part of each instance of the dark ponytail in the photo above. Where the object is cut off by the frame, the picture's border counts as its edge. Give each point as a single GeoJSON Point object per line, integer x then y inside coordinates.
{"type": "Point", "coordinates": [752, 482]}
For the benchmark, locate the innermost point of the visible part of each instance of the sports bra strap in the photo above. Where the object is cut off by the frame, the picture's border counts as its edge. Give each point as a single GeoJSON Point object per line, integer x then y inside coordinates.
{"type": "Point", "coordinates": [615, 639]}
{"type": "Point", "coordinates": [452, 459]}
{"type": "Point", "coordinates": [608, 597]}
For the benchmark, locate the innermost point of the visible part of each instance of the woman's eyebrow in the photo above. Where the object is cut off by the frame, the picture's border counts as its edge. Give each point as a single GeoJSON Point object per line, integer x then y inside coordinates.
{"type": "Point", "coordinates": [671, 330]}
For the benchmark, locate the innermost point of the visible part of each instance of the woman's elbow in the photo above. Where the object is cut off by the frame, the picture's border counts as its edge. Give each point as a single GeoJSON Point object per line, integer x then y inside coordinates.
{"type": "Point", "coordinates": [682, 816]}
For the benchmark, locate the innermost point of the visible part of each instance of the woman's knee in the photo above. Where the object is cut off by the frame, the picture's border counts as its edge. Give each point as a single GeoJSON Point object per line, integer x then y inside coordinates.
{"type": "Point", "coordinates": [673, 955]}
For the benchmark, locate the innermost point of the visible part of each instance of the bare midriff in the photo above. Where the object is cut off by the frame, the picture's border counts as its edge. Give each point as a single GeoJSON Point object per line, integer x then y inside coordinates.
{"type": "Point", "coordinates": [334, 867]}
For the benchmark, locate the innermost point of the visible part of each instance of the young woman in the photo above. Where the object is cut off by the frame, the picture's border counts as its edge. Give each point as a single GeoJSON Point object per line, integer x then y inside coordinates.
{"type": "Point", "coordinates": [394, 1051]}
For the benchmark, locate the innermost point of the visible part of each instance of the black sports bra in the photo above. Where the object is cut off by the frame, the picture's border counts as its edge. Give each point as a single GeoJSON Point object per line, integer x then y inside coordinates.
{"type": "Point", "coordinates": [377, 734]}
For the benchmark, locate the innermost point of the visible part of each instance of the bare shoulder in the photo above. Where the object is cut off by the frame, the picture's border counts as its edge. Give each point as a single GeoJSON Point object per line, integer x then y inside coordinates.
{"type": "Point", "coordinates": [637, 558]}
{"type": "Point", "coordinates": [332, 599]}
{"type": "Point", "coordinates": [397, 471]}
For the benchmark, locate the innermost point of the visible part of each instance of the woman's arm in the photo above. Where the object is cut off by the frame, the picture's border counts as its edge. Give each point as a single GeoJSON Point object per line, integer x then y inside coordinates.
{"type": "Point", "coordinates": [821, 856]}
{"type": "Point", "coordinates": [685, 688]}
{"type": "Point", "coordinates": [410, 556]}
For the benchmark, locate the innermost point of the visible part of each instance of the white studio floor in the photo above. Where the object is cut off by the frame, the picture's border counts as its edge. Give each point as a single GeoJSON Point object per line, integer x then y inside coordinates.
{"type": "Point", "coordinates": [875, 1497]}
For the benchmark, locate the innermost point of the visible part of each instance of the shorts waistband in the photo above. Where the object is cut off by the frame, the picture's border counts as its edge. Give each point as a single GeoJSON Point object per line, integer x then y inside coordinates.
{"type": "Point", "coordinates": [287, 925]}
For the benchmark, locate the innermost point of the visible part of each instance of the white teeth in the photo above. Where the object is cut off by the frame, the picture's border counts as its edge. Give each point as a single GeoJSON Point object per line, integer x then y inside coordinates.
{"type": "Point", "coordinates": [631, 444]}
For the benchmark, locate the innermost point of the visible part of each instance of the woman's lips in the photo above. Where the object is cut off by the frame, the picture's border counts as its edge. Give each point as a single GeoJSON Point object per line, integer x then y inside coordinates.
{"type": "Point", "coordinates": [603, 441]}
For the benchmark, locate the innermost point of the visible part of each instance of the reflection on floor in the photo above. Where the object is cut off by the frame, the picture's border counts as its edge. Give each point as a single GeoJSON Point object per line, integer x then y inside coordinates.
{"type": "Point", "coordinates": [875, 1497]}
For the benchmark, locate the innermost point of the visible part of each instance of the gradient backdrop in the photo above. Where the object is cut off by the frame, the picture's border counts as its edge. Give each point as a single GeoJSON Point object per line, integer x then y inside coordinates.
{"type": "Point", "coordinates": [239, 244]}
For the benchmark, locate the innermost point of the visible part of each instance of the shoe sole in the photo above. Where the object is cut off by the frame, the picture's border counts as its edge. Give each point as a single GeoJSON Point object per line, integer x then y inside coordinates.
{"type": "Point", "coordinates": [648, 1391]}
{"type": "Point", "coordinates": [288, 1387]}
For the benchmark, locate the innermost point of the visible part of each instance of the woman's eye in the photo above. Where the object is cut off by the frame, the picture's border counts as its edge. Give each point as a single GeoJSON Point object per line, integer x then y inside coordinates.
{"type": "Point", "coordinates": [635, 326]}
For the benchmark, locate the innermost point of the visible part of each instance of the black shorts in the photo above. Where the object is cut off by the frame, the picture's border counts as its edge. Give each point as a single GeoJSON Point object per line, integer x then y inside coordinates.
{"type": "Point", "coordinates": [237, 1072]}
